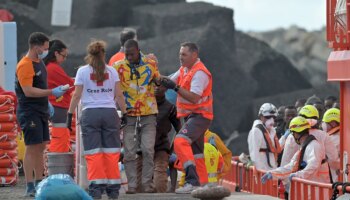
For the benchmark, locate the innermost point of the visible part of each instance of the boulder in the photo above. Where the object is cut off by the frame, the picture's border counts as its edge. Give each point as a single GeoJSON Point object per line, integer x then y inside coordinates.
{"type": "Point", "coordinates": [94, 14]}
{"type": "Point", "coordinates": [162, 19]}
{"type": "Point", "coordinates": [78, 39]}
{"type": "Point", "coordinates": [290, 98]}
{"type": "Point", "coordinates": [232, 88]}
{"type": "Point", "coordinates": [26, 24]}
{"type": "Point", "coordinates": [211, 192]}
{"type": "Point", "coordinates": [31, 3]}
{"type": "Point", "coordinates": [308, 51]}
{"type": "Point", "coordinates": [267, 67]}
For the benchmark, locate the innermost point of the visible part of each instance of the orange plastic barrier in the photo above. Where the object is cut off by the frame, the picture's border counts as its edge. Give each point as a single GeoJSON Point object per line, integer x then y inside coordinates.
{"type": "Point", "coordinates": [241, 178]}
{"type": "Point", "coordinates": [304, 189]}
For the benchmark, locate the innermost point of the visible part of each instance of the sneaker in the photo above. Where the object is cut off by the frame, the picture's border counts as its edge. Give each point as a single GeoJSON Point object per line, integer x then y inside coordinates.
{"type": "Point", "coordinates": [209, 185]}
{"type": "Point", "coordinates": [30, 190]}
{"type": "Point", "coordinates": [30, 193]}
{"type": "Point", "coordinates": [186, 189]}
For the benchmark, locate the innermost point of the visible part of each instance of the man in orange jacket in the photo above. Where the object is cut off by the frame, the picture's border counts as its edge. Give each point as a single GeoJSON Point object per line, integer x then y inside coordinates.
{"type": "Point", "coordinates": [125, 35]}
{"type": "Point", "coordinates": [193, 83]}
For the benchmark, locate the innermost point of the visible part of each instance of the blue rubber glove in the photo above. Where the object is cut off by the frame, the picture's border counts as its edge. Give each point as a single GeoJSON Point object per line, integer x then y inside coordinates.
{"type": "Point", "coordinates": [286, 134]}
{"type": "Point", "coordinates": [291, 176]}
{"type": "Point", "coordinates": [121, 168]}
{"type": "Point", "coordinates": [58, 91]}
{"type": "Point", "coordinates": [51, 110]}
{"type": "Point", "coordinates": [172, 158]}
{"type": "Point", "coordinates": [303, 164]}
{"type": "Point", "coordinates": [212, 141]}
{"type": "Point", "coordinates": [265, 177]}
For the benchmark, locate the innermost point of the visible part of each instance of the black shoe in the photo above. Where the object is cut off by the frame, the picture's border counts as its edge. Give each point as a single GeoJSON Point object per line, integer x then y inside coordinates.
{"type": "Point", "coordinates": [95, 191]}
{"type": "Point", "coordinates": [113, 195]}
{"type": "Point", "coordinates": [113, 191]}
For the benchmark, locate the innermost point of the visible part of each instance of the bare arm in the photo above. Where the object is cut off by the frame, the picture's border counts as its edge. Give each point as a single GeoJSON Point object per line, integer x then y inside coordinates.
{"type": "Point", "coordinates": [75, 98]}
{"type": "Point", "coordinates": [189, 96]}
{"type": "Point", "coordinates": [120, 97]}
{"type": "Point", "coordinates": [30, 91]}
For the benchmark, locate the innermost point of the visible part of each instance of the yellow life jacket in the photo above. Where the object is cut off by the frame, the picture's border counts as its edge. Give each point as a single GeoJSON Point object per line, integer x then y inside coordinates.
{"type": "Point", "coordinates": [211, 157]}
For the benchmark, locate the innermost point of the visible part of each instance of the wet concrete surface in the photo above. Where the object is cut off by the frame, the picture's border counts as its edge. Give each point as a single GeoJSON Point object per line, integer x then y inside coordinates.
{"type": "Point", "coordinates": [17, 192]}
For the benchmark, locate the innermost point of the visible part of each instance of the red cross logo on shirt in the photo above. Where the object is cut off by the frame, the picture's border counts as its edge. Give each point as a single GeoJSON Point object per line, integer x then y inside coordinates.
{"type": "Point", "coordinates": [99, 83]}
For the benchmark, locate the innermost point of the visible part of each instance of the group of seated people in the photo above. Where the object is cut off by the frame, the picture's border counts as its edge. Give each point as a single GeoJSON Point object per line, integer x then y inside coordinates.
{"type": "Point", "coordinates": [297, 141]}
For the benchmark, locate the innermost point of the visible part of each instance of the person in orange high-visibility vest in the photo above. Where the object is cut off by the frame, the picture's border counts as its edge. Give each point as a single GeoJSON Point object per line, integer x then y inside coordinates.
{"type": "Point", "coordinates": [98, 86]}
{"type": "Point", "coordinates": [193, 83]}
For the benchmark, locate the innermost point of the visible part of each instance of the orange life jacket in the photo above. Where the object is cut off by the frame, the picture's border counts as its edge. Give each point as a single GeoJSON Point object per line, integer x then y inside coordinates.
{"type": "Point", "coordinates": [275, 149]}
{"type": "Point", "coordinates": [205, 104]}
{"type": "Point", "coordinates": [333, 130]}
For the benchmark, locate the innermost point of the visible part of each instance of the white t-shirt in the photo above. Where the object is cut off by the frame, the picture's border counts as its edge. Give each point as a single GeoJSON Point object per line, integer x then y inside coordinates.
{"type": "Point", "coordinates": [97, 95]}
{"type": "Point", "coordinates": [199, 81]}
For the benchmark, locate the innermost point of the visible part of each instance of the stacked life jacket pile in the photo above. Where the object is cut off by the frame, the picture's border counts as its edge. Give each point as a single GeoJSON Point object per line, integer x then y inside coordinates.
{"type": "Point", "coordinates": [8, 144]}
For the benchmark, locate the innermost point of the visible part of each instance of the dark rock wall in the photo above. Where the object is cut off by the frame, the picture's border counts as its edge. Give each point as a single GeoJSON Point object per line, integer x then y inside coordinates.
{"type": "Point", "coordinates": [246, 71]}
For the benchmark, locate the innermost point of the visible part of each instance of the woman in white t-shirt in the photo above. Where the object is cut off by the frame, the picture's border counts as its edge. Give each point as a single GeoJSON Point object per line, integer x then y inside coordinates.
{"type": "Point", "coordinates": [97, 86]}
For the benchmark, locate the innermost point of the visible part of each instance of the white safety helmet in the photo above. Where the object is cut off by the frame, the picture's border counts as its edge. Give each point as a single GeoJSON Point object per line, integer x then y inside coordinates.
{"type": "Point", "coordinates": [268, 109]}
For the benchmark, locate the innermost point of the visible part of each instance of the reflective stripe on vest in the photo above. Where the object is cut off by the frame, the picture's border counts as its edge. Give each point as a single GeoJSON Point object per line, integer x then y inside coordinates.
{"type": "Point", "coordinates": [105, 181]}
{"type": "Point", "coordinates": [212, 175]}
{"type": "Point", "coordinates": [101, 150]}
{"type": "Point", "coordinates": [205, 105]}
{"type": "Point", "coordinates": [59, 125]}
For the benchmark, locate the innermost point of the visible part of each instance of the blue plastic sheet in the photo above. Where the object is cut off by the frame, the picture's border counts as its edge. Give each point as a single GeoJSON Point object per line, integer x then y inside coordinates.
{"type": "Point", "coordinates": [60, 187]}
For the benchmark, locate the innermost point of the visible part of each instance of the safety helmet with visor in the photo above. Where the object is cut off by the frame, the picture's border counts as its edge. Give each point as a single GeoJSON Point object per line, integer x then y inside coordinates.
{"type": "Point", "coordinates": [332, 114]}
{"type": "Point", "coordinates": [299, 126]}
{"type": "Point", "coordinates": [268, 109]}
{"type": "Point", "coordinates": [309, 111]}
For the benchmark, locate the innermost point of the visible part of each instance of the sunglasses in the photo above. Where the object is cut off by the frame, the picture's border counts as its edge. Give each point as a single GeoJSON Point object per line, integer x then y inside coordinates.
{"type": "Point", "coordinates": [64, 56]}
{"type": "Point", "coordinates": [269, 117]}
